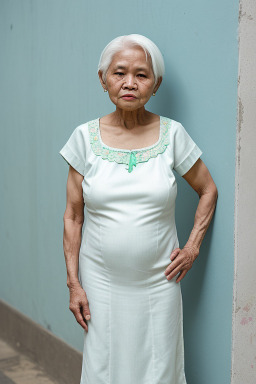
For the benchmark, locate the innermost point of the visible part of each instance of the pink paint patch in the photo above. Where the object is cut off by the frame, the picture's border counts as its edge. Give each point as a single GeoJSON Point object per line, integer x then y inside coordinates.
{"type": "Point", "coordinates": [251, 365]}
{"type": "Point", "coordinates": [247, 308]}
{"type": "Point", "coordinates": [245, 321]}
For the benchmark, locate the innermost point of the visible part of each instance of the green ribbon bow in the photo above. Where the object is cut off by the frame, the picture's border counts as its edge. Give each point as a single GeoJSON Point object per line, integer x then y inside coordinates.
{"type": "Point", "coordinates": [132, 162]}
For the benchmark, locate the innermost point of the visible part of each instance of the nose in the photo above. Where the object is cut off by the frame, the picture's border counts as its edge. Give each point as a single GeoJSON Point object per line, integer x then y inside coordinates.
{"type": "Point", "coordinates": [129, 82]}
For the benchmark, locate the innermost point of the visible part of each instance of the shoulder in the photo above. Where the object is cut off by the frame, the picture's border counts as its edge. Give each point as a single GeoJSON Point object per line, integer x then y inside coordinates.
{"type": "Point", "coordinates": [82, 134]}
{"type": "Point", "coordinates": [178, 135]}
{"type": "Point", "coordinates": [83, 127]}
{"type": "Point", "coordinates": [173, 125]}
{"type": "Point", "coordinates": [86, 128]}
{"type": "Point", "coordinates": [170, 121]}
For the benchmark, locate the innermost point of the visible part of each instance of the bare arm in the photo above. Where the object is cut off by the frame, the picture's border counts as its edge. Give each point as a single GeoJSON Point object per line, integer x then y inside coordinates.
{"type": "Point", "coordinates": [201, 181]}
{"type": "Point", "coordinates": [73, 223]}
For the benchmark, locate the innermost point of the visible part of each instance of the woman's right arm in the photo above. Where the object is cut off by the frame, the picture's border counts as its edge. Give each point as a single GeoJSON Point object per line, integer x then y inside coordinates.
{"type": "Point", "coordinates": [73, 223]}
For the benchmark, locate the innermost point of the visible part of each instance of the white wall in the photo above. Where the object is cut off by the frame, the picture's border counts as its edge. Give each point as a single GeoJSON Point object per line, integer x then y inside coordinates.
{"type": "Point", "coordinates": [244, 306]}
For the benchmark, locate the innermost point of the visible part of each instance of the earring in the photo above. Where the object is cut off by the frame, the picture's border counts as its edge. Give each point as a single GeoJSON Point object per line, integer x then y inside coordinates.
{"type": "Point", "coordinates": [153, 94]}
{"type": "Point", "coordinates": [105, 90]}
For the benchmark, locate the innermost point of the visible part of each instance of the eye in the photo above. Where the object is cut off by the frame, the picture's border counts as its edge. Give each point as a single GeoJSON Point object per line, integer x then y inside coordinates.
{"type": "Point", "coordinates": [141, 75]}
{"type": "Point", "coordinates": [119, 73]}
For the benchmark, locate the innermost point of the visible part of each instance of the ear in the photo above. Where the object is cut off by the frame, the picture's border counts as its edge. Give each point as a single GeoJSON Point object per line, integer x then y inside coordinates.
{"type": "Point", "coordinates": [100, 74]}
{"type": "Point", "coordinates": [159, 81]}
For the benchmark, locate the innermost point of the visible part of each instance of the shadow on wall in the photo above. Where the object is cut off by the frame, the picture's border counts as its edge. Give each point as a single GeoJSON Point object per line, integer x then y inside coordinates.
{"type": "Point", "coordinates": [194, 284]}
{"type": "Point", "coordinates": [186, 205]}
{"type": "Point", "coordinates": [173, 101]}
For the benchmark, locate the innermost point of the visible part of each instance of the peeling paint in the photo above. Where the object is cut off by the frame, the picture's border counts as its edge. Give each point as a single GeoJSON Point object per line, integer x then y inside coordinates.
{"type": "Point", "coordinates": [240, 12]}
{"type": "Point", "coordinates": [240, 114]}
{"type": "Point", "coordinates": [247, 307]}
{"type": "Point", "coordinates": [245, 320]}
{"type": "Point", "coordinates": [243, 14]}
{"type": "Point", "coordinates": [240, 120]}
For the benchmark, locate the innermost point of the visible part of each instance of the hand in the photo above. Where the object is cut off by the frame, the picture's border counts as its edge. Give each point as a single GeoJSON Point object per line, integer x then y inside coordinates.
{"type": "Point", "coordinates": [79, 305]}
{"type": "Point", "coordinates": [182, 261]}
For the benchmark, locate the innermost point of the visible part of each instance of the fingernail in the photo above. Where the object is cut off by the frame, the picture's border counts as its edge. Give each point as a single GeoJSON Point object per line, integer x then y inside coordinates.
{"type": "Point", "coordinates": [87, 317]}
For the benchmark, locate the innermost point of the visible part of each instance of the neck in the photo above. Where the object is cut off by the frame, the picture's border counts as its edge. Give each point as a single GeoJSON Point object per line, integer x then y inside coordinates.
{"type": "Point", "coordinates": [130, 119]}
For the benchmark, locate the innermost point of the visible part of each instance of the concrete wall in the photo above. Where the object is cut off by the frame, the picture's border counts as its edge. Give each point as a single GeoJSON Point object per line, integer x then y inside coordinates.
{"type": "Point", "coordinates": [244, 307]}
{"type": "Point", "coordinates": [49, 85]}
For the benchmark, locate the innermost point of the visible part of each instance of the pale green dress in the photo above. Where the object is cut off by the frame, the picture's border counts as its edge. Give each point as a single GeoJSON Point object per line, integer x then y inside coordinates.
{"type": "Point", "coordinates": [136, 329]}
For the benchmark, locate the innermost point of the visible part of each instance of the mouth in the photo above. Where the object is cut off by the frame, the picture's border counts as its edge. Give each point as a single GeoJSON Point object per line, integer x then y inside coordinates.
{"type": "Point", "coordinates": [129, 97]}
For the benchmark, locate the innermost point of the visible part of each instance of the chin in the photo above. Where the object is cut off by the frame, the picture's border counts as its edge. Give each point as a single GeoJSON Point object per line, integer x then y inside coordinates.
{"type": "Point", "coordinates": [128, 107]}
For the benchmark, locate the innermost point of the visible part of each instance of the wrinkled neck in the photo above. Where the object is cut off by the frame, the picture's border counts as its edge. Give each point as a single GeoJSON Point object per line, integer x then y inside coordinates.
{"type": "Point", "coordinates": [131, 119]}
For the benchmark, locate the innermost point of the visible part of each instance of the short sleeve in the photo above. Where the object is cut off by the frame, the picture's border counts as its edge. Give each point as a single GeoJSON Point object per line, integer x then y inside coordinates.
{"type": "Point", "coordinates": [74, 151]}
{"type": "Point", "coordinates": [186, 152]}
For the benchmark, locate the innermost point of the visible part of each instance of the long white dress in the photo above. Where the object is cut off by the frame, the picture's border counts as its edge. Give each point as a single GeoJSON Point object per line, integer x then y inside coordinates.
{"type": "Point", "coordinates": [135, 334]}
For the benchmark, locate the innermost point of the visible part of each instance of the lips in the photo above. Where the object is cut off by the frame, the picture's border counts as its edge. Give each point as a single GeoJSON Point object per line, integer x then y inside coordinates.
{"type": "Point", "coordinates": [129, 96]}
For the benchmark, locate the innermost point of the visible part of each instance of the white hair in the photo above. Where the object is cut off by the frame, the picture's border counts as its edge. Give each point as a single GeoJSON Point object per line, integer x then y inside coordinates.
{"type": "Point", "coordinates": [119, 43]}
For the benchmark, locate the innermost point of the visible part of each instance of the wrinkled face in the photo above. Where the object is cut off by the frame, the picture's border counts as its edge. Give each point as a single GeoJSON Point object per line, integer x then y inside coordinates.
{"type": "Point", "coordinates": [130, 79]}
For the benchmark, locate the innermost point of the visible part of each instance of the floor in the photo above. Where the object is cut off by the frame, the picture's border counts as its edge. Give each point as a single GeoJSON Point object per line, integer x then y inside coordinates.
{"type": "Point", "coordinates": [16, 368]}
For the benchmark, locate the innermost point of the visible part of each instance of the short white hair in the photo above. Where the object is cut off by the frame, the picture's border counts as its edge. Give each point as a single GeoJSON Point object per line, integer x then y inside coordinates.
{"type": "Point", "coordinates": [119, 43]}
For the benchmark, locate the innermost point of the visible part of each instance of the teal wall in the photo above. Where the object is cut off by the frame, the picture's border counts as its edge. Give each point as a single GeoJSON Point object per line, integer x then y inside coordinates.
{"type": "Point", "coordinates": [49, 85]}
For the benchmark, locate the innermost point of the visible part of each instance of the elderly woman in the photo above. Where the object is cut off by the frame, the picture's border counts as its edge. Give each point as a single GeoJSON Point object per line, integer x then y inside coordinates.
{"type": "Point", "coordinates": [124, 269]}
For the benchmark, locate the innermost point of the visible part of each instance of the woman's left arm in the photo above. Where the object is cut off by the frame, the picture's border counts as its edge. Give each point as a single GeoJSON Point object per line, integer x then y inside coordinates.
{"type": "Point", "coordinates": [201, 181]}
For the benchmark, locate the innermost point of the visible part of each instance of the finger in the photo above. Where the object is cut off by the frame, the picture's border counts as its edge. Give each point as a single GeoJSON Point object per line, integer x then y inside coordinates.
{"type": "Point", "coordinates": [86, 312]}
{"type": "Point", "coordinates": [172, 266]}
{"type": "Point", "coordinates": [175, 253]}
{"type": "Point", "coordinates": [80, 320]}
{"type": "Point", "coordinates": [181, 275]}
{"type": "Point", "coordinates": [174, 273]}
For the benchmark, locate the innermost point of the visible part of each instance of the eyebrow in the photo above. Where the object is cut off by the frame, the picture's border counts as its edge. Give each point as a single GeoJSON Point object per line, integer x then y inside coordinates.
{"type": "Point", "coordinates": [119, 67]}
{"type": "Point", "coordinates": [123, 67]}
{"type": "Point", "coordinates": [142, 69]}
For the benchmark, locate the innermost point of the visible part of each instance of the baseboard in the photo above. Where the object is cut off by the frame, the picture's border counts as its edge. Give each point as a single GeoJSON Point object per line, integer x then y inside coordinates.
{"type": "Point", "coordinates": [59, 359]}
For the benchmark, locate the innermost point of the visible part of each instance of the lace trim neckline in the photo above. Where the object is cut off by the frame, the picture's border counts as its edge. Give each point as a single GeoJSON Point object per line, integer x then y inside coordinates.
{"type": "Point", "coordinates": [128, 150]}
{"type": "Point", "coordinates": [127, 156]}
